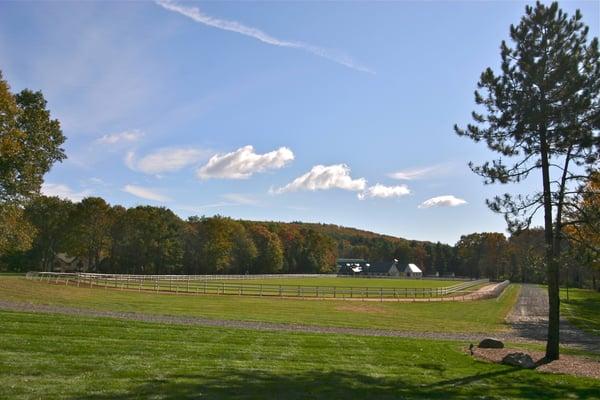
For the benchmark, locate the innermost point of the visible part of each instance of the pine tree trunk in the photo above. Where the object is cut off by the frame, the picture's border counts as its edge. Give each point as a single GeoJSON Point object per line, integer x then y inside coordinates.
{"type": "Point", "coordinates": [552, 344]}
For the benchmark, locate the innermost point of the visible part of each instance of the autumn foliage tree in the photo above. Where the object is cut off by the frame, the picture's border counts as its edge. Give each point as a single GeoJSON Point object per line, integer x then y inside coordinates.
{"type": "Point", "coordinates": [30, 143]}
{"type": "Point", "coordinates": [583, 224]}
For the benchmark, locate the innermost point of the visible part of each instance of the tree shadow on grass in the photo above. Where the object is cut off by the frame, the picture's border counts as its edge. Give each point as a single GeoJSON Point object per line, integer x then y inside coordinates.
{"type": "Point", "coordinates": [250, 384]}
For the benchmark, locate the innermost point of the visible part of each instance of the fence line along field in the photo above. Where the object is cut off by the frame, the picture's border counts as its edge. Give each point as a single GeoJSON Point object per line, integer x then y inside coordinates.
{"type": "Point", "coordinates": [304, 286]}
{"type": "Point", "coordinates": [486, 315]}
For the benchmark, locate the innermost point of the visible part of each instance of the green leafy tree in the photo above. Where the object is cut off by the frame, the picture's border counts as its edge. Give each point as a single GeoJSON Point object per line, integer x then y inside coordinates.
{"type": "Point", "coordinates": [541, 113]}
{"type": "Point", "coordinates": [20, 235]}
{"type": "Point", "coordinates": [29, 143]}
{"type": "Point", "coordinates": [320, 252]}
{"type": "Point", "coordinates": [90, 226]}
{"type": "Point", "coordinates": [269, 258]}
{"type": "Point", "coordinates": [51, 219]}
{"type": "Point", "coordinates": [150, 241]}
{"type": "Point", "coordinates": [583, 230]}
{"type": "Point", "coordinates": [526, 253]}
{"type": "Point", "coordinates": [244, 249]}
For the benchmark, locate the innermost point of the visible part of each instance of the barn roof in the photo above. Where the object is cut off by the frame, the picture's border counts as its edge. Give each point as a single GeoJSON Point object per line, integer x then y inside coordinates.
{"type": "Point", "coordinates": [413, 268]}
{"type": "Point", "coordinates": [382, 267]}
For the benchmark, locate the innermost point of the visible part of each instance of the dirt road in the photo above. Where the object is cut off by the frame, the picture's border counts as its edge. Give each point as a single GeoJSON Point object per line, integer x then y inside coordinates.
{"type": "Point", "coordinates": [529, 320]}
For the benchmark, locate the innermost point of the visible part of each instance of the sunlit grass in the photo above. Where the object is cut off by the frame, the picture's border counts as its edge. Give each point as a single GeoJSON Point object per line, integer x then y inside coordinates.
{"type": "Point", "coordinates": [582, 309]}
{"type": "Point", "coordinates": [470, 316]}
{"type": "Point", "coordinates": [66, 357]}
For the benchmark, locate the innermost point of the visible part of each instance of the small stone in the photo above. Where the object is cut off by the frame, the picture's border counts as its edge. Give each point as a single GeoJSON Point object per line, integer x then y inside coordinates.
{"type": "Point", "coordinates": [519, 360]}
{"type": "Point", "coordinates": [490, 343]}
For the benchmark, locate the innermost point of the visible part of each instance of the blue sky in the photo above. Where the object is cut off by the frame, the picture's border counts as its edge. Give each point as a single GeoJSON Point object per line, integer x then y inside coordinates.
{"type": "Point", "coordinates": [334, 112]}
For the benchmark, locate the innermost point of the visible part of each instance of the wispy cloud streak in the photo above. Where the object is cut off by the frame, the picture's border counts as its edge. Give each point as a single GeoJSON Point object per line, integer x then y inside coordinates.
{"type": "Point", "coordinates": [237, 27]}
{"type": "Point", "coordinates": [145, 193]}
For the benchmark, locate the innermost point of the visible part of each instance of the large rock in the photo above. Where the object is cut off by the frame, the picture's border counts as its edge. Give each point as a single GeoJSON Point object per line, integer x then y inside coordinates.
{"type": "Point", "coordinates": [519, 360]}
{"type": "Point", "coordinates": [489, 343]}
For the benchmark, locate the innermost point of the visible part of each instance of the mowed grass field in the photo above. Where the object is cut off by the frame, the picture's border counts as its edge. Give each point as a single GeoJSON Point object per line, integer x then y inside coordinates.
{"type": "Point", "coordinates": [301, 287]}
{"type": "Point", "coordinates": [582, 309]}
{"type": "Point", "coordinates": [68, 357]}
{"type": "Point", "coordinates": [348, 282]}
{"type": "Point", "coordinates": [471, 316]}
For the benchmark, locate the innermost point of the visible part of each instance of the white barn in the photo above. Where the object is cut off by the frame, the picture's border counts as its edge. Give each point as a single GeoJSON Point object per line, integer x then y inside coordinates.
{"type": "Point", "coordinates": [413, 271]}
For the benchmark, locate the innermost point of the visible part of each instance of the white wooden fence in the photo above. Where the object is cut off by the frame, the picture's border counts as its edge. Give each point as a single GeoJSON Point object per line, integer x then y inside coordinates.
{"type": "Point", "coordinates": [218, 285]}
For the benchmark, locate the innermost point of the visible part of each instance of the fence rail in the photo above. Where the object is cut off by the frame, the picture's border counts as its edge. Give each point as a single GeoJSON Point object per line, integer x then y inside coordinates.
{"type": "Point", "coordinates": [216, 285]}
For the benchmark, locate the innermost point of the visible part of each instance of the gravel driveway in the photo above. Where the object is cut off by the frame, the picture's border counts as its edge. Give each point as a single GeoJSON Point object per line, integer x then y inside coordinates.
{"type": "Point", "coordinates": [529, 320]}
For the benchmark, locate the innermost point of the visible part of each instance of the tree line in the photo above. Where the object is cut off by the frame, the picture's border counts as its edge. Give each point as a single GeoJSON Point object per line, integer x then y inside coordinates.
{"type": "Point", "coordinates": [154, 240]}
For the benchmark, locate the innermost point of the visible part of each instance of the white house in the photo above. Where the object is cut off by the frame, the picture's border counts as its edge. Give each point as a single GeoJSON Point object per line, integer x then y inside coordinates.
{"type": "Point", "coordinates": [413, 271]}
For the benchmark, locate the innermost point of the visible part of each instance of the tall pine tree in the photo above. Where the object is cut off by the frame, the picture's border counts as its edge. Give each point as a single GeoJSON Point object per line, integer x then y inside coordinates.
{"type": "Point", "coordinates": [542, 114]}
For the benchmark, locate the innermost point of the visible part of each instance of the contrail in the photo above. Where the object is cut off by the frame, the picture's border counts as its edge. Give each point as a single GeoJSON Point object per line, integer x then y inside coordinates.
{"type": "Point", "coordinates": [234, 26]}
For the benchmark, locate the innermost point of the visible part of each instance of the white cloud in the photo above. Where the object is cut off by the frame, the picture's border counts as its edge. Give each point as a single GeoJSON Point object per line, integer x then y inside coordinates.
{"type": "Point", "coordinates": [244, 162]}
{"type": "Point", "coordinates": [97, 181]}
{"type": "Point", "coordinates": [145, 193]}
{"type": "Point", "coordinates": [237, 27]}
{"type": "Point", "coordinates": [200, 209]}
{"type": "Point", "coordinates": [417, 173]}
{"type": "Point", "coordinates": [121, 137]}
{"type": "Point", "coordinates": [322, 177]}
{"type": "Point", "coordinates": [384, 192]}
{"type": "Point", "coordinates": [63, 191]}
{"type": "Point", "coordinates": [242, 199]}
{"type": "Point", "coordinates": [165, 160]}
{"type": "Point", "coordinates": [443, 201]}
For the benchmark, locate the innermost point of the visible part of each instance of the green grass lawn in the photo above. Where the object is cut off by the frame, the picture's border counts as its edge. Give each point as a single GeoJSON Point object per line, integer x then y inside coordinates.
{"type": "Point", "coordinates": [582, 309]}
{"type": "Point", "coordinates": [67, 357]}
{"type": "Point", "coordinates": [280, 286]}
{"type": "Point", "coordinates": [472, 316]}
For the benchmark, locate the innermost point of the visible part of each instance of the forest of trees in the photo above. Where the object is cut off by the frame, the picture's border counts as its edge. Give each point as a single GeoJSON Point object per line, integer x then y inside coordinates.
{"type": "Point", "coordinates": [154, 240]}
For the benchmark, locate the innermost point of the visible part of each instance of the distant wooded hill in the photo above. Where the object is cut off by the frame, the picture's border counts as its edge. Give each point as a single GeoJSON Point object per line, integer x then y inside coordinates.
{"type": "Point", "coordinates": [94, 236]}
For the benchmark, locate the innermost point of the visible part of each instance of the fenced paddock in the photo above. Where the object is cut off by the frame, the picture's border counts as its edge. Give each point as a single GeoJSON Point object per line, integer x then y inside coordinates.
{"type": "Point", "coordinates": [256, 286]}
